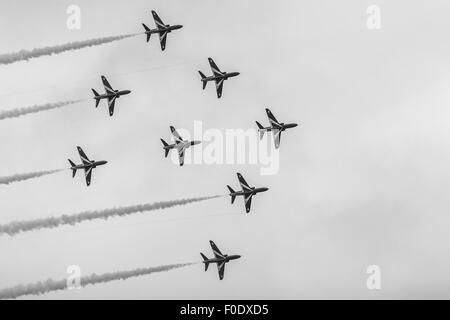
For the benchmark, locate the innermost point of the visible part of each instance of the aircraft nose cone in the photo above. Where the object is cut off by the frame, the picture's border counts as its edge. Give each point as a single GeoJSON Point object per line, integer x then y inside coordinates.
{"type": "Point", "coordinates": [265, 189]}
{"type": "Point", "coordinates": [238, 256]}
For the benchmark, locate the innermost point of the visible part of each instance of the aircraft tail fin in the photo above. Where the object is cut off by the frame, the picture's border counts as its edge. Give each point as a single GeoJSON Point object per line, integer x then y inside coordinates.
{"type": "Point", "coordinates": [96, 97]}
{"type": "Point", "coordinates": [166, 150]}
{"type": "Point", "coordinates": [203, 79]}
{"type": "Point", "coordinates": [164, 143]}
{"type": "Point", "coordinates": [233, 196]}
{"type": "Point", "coordinates": [72, 166]}
{"type": "Point", "coordinates": [260, 130]}
{"type": "Point", "coordinates": [205, 261]}
{"type": "Point", "coordinates": [147, 29]}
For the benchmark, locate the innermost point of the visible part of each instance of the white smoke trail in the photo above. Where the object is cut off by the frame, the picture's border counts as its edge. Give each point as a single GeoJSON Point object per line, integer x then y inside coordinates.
{"type": "Point", "coordinates": [28, 54]}
{"type": "Point", "coordinates": [26, 176]}
{"type": "Point", "coordinates": [55, 285]}
{"type": "Point", "coordinates": [33, 109]}
{"type": "Point", "coordinates": [47, 223]}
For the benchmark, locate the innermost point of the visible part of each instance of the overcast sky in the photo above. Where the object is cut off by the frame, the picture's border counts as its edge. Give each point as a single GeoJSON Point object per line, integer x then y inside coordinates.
{"type": "Point", "coordinates": [363, 180]}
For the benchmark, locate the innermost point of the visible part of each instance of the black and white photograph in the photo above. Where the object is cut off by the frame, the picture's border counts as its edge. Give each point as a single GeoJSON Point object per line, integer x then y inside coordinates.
{"type": "Point", "coordinates": [224, 150]}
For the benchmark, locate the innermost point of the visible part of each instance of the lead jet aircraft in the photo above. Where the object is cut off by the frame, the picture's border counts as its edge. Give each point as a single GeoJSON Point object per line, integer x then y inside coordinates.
{"type": "Point", "coordinates": [275, 126]}
{"type": "Point", "coordinates": [247, 192]}
{"type": "Point", "coordinates": [218, 76]}
{"type": "Point", "coordinates": [180, 144]}
{"type": "Point", "coordinates": [161, 29]}
{"type": "Point", "coordinates": [87, 165]}
{"type": "Point", "coordinates": [219, 258]}
{"type": "Point", "coordinates": [110, 94]}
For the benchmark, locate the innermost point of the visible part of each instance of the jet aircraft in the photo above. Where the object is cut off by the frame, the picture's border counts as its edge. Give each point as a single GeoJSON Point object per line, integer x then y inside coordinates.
{"type": "Point", "coordinates": [161, 29]}
{"type": "Point", "coordinates": [180, 145]}
{"type": "Point", "coordinates": [275, 126]}
{"type": "Point", "coordinates": [218, 77]}
{"type": "Point", "coordinates": [219, 258]}
{"type": "Point", "coordinates": [247, 192]}
{"type": "Point", "coordinates": [111, 95]}
{"type": "Point", "coordinates": [87, 165]}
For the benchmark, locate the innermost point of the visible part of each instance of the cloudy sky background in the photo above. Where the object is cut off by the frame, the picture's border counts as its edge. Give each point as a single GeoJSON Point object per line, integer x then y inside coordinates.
{"type": "Point", "coordinates": [363, 180]}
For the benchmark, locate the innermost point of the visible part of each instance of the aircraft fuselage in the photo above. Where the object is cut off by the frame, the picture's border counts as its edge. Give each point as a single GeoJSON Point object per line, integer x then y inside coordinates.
{"type": "Point", "coordinates": [116, 94]}
{"type": "Point", "coordinates": [281, 127]}
{"type": "Point", "coordinates": [167, 29]}
{"type": "Point", "coordinates": [253, 192]}
{"type": "Point", "coordinates": [93, 164]}
{"type": "Point", "coordinates": [182, 145]}
{"type": "Point", "coordinates": [288, 126]}
{"type": "Point", "coordinates": [225, 259]}
{"type": "Point", "coordinates": [225, 76]}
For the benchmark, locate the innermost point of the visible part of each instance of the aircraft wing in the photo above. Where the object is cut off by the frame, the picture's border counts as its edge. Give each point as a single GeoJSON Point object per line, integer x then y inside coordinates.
{"type": "Point", "coordinates": [277, 137]}
{"type": "Point", "coordinates": [219, 86]}
{"type": "Point", "coordinates": [111, 103]}
{"type": "Point", "coordinates": [215, 69]}
{"type": "Point", "coordinates": [162, 39]}
{"type": "Point", "coordinates": [273, 121]}
{"type": "Point", "coordinates": [221, 269]}
{"type": "Point", "coordinates": [88, 174]}
{"type": "Point", "coordinates": [248, 202]}
{"type": "Point", "coordinates": [181, 156]}
{"type": "Point", "coordinates": [107, 86]}
{"type": "Point", "coordinates": [83, 156]}
{"type": "Point", "coordinates": [158, 21]}
{"type": "Point", "coordinates": [216, 250]}
{"type": "Point", "coordinates": [175, 134]}
{"type": "Point", "coordinates": [243, 183]}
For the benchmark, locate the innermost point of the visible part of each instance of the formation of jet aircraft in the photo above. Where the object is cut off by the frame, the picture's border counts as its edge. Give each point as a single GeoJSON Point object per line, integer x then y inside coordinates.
{"type": "Point", "coordinates": [87, 165]}
{"type": "Point", "coordinates": [218, 77]}
{"type": "Point", "coordinates": [180, 145]}
{"type": "Point", "coordinates": [275, 126]}
{"type": "Point", "coordinates": [219, 258]}
{"type": "Point", "coordinates": [110, 94]}
{"type": "Point", "coordinates": [161, 29]}
{"type": "Point", "coordinates": [247, 192]}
